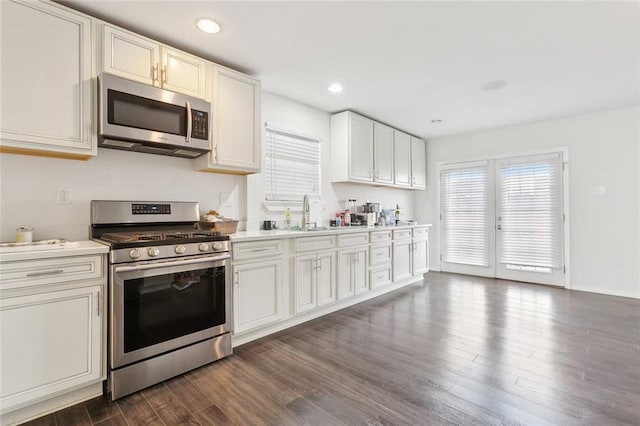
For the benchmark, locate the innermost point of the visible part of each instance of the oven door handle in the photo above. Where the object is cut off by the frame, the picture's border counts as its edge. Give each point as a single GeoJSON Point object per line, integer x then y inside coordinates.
{"type": "Point", "coordinates": [172, 263]}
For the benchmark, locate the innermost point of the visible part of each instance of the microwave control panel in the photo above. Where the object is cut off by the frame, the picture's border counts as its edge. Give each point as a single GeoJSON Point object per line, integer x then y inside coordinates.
{"type": "Point", "coordinates": [200, 125]}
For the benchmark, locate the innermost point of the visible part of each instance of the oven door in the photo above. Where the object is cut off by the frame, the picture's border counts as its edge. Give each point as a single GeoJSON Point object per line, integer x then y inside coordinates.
{"type": "Point", "coordinates": [159, 306]}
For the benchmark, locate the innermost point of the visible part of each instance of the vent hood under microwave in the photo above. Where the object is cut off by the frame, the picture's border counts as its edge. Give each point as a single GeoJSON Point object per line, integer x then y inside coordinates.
{"type": "Point", "coordinates": [136, 117]}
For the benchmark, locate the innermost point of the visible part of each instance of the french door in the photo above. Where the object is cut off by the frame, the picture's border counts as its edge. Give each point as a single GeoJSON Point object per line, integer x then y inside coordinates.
{"type": "Point", "coordinates": [504, 218]}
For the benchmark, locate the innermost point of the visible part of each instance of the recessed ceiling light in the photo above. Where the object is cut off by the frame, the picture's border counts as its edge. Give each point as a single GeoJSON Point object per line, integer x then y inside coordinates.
{"type": "Point", "coordinates": [335, 88]}
{"type": "Point", "coordinates": [208, 25]}
{"type": "Point", "coordinates": [494, 85]}
{"type": "Point", "coordinates": [436, 121]}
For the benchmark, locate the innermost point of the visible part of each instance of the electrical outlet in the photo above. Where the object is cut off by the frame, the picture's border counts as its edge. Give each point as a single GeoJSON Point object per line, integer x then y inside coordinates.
{"type": "Point", "coordinates": [63, 195]}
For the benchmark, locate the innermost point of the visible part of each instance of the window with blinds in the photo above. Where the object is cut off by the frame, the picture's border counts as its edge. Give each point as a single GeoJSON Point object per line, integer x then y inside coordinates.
{"type": "Point", "coordinates": [292, 164]}
{"type": "Point", "coordinates": [530, 213]}
{"type": "Point", "coordinates": [465, 214]}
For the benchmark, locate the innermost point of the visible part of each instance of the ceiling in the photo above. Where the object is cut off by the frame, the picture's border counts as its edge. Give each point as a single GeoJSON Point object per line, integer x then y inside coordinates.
{"type": "Point", "coordinates": [408, 63]}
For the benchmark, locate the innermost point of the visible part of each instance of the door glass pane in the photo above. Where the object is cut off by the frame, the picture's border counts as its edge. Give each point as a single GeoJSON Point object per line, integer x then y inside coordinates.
{"type": "Point", "coordinates": [164, 307]}
{"type": "Point", "coordinates": [465, 218]}
{"type": "Point", "coordinates": [530, 213]}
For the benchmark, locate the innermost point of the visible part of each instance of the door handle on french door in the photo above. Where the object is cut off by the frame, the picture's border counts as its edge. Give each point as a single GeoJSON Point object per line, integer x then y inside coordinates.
{"type": "Point", "coordinates": [499, 227]}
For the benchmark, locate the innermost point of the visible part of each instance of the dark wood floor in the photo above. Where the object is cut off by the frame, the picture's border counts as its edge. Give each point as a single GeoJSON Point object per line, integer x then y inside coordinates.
{"type": "Point", "coordinates": [451, 350]}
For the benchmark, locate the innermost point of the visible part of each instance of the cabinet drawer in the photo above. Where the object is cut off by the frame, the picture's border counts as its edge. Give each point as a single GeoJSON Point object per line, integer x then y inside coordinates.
{"type": "Point", "coordinates": [323, 242]}
{"type": "Point", "coordinates": [421, 234]}
{"type": "Point", "coordinates": [60, 269]}
{"type": "Point", "coordinates": [381, 254]}
{"type": "Point", "coordinates": [256, 249]}
{"type": "Point", "coordinates": [349, 240]}
{"type": "Point", "coordinates": [380, 276]}
{"type": "Point", "coordinates": [380, 236]}
{"type": "Point", "coordinates": [401, 234]}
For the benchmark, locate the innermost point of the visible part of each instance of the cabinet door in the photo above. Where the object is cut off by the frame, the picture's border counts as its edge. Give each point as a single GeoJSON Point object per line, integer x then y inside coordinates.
{"type": "Point", "coordinates": [257, 294]}
{"type": "Point", "coordinates": [360, 148]}
{"type": "Point", "coordinates": [326, 281]}
{"type": "Point", "coordinates": [305, 286]}
{"type": "Point", "coordinates": [361, 270]}
{"type": "Point", "coordinates": [345, 274]}
{"type": "Point", "coordinates": [420, 257]}
{"type": "Point", "coordinates": [50, 342]}
{"type": "Point", "coordinates": [46, 80]}
{"type": "Point", "coordinates": [402, 158]}
{"type": "Point", "coordinates": [383, 153]}
{"type": "Point", "coordinates": [236, 118]}
{"type": "Point", "coordinates": [418, 163]}
{"type": "Point", "coordinates": [183, 73]}
{"type": "Point", "coordinates": [402, 251]}
{"type": "Point", "coordinates": [130, 56]}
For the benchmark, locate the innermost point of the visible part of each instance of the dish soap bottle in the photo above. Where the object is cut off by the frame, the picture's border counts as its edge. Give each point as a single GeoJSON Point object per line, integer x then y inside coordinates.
{"type": "Point", "coordinates": [397, 213]}
{"type": "Point", "coordinates": [287, 219]}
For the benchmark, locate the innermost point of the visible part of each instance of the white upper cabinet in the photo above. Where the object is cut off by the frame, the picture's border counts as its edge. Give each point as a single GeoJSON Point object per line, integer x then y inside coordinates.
{"type": "Point", "coordinates": [365, 151]}
{"type": "Point", "coordinates": [418, 163]}
{"type": "Point", "coordinates": [47, 90]}
{"type": "Point", "coordinates": [236, 139]}
{"type": "Point", "coordinates": [383, 153]}
{"type": "Point", "coordinates": [132, 56]}
{"type": "Point", "coordinates": [351, 148]}
{"type": "Point", "coordinates": [402, 151]}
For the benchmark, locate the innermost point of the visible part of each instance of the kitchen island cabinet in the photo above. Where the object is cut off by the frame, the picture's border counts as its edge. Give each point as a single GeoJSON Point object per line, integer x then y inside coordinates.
{"type": "Point", "coordinates": [53, 319]}
{"type": "Point", "coordinates": [46, 79]}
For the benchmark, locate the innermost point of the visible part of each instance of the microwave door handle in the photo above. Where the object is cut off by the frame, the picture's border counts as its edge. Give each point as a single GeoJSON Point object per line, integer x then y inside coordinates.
{"type": "Point", "coordinates": [189, 121]}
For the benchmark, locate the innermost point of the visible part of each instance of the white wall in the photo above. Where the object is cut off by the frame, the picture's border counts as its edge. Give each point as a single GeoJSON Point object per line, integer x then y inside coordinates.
{"type": "Point", "coordinates": [29, 185]}
{"type": "Point", "coordinates": [603, 151]}
{"type": "Point", "coordinates": [294, 115]}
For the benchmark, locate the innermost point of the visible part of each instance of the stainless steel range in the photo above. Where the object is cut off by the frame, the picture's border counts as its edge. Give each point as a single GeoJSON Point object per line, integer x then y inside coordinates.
{"type": "Point", "coordinates": [169, 291]}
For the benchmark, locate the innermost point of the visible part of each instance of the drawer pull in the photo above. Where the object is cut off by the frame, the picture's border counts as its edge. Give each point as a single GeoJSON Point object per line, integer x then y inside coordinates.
{"type": "Point", "coordinates": [255, 250]}
{"type": "Point", "coordinates": [51, 272]}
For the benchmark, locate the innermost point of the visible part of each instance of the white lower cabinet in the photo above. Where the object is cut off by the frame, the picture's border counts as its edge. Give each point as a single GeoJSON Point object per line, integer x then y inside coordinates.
{"type": "Point", "coordinates": [420, 257]}
{"type": "Point", "coordinates": [51, 342]}
{"type": "Point", "coordinates": [257, 294]}
{"type": "Point", "coordinates": [402, 255]}
{"type": "Point", "coordinates": [353, 277]}
{"type": "Point", "coordinates": [315, 283]}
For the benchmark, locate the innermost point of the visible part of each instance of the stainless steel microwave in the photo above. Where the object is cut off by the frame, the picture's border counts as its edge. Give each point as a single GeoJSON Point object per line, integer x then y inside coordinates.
{"type": "Point", "coordinates": [137, 117]}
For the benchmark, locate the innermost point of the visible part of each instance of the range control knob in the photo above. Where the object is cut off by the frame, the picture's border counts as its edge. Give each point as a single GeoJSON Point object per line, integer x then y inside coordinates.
{"type": "Point", "coordinates": [180, 249]}
{"type": "Point", "coordinates": [217, 246]}
{"type": "Point", "coordinates": [135, 253]}
{"type": "Point", "coordinates": [203, 247]}
{"type": "Point", "coordinates": [153, 251]}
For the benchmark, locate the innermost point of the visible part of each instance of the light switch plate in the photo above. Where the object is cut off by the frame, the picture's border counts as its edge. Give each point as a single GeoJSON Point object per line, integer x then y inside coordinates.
{"type": "Point", "coordinates": [599, 190]}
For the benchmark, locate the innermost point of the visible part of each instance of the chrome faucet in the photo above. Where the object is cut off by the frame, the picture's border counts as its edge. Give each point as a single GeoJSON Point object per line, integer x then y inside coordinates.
{"type": "Point", "coordinates": [305, 212]}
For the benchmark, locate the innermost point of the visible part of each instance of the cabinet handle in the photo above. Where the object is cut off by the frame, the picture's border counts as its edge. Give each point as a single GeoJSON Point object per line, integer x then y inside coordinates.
{"type": "Point", "coordinates": [236, 278]}
{"type": "Point", "coordinates": [155, 72]}
{"type": "Point", "coordinates": [256, 250]}
{"type": "Point", "coordinates": [51, 272]}
{"type": "Point", "coordinates": [98, 303]}
{"type": "Point", "coordinates": [164, 74]}
{"type": "Point", "coordinates": [187, 105]}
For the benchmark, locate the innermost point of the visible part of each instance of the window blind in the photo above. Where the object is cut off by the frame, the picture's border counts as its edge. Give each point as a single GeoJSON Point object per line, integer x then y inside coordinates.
{"type": "Point", "coordinates": [530, 211]}
{"type": "Point", "coordinates": [465, 214]}
{"type": "Point", "coordinates": [292, 165]}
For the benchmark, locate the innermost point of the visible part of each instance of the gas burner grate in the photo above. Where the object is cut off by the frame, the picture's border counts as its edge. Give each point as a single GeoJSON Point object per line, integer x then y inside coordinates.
{"type": "Point", "coordinates": [207, 234]}
{"type": "Point", "coordinates": [178, 235]}
{"type": "Point", "coordinates": [149, 237]}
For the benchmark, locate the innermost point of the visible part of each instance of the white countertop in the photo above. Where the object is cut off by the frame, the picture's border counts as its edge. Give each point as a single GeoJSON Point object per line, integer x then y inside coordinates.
{"type": "Point", "coordinates": [43, 251]}
{"type": "Point", "coordinates": [280, 233]}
